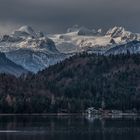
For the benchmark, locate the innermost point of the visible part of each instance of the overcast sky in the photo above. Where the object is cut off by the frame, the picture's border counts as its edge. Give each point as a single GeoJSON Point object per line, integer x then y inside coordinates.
{"type": "Point", "coordinates": [57, 15]}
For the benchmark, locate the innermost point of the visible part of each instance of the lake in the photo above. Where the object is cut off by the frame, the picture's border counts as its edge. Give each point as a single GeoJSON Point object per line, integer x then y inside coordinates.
{"type": "Point", "coordinates": [69, 128]}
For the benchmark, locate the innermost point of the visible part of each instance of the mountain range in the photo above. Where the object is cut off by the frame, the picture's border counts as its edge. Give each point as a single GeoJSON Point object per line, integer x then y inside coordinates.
{"type": "Point", "coordinates": [35, 51]}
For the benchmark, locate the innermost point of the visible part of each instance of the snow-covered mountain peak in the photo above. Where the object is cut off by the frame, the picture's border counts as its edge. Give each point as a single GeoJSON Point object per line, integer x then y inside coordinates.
{"type": "Point", "coordinates": [73, 29]}
{"type": "Point", "coordinates": [85, 31]}
{"type": "Point", "coordinates": [82, 31]}
{"type": "Point", "coordinates": [25, 31]}
{"type": "Point", "coordinates": [116, 31]}
{"type": "Point", "coordinates": [122, 33]}
{"type": "Point", "coordinates": [26, 38]}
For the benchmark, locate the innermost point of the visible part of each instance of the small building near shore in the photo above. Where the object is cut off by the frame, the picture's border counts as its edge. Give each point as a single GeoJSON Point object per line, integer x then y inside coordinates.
{"type": "Point", "coordinates": [92, 110]}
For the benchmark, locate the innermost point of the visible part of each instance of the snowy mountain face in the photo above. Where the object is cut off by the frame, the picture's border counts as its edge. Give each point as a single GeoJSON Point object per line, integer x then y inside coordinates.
{"type": "Point", "coordinates": [131, 47]}
{"type": "Point", "coordinates": [29, 49]}
{"type": "Point", "coordinates": [9, 67]}
{"type": "Point", "coordinates": [25, 37]}
{"type": "Point", "coordinates": [120, 32]}
{"type": "Point", "coordinates": [25, 31]}
{"type": "Point", "coordinates": [79, 39]}
{"type": "Point", "coordinates": [83, 31]}
{"type": "Point", "coordinates": [34, 60]}
{"type": "Point", "coordinates": [35, 51]}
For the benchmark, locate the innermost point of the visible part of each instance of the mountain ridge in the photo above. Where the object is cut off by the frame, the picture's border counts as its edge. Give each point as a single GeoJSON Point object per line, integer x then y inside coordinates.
{"type": "Point", "coordinates": [36, 51]}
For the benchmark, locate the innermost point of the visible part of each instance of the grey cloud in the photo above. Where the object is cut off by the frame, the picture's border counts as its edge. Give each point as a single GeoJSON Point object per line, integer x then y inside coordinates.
{"type": "Point", "coordinates": [57, 15]}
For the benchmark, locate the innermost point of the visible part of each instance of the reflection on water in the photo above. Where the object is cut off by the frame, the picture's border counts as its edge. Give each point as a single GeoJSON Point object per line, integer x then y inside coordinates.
{"type": "Point", "coordinates": [68, 128]}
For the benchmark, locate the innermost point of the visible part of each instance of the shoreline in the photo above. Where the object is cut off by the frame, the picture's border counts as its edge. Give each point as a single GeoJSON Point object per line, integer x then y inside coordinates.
{"type": "Point", "coordinates": [45, 114]}
{"type": "Point", "coordinates": [71, 114]}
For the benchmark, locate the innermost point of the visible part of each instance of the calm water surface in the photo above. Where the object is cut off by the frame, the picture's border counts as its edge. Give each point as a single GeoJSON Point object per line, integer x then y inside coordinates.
{"type": "Point", "coordinates": [68, 128]}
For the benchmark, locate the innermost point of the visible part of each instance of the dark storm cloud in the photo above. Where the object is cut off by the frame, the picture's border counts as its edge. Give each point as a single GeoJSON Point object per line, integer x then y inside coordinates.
{"type": "Point", "coordinates": [57, 15]}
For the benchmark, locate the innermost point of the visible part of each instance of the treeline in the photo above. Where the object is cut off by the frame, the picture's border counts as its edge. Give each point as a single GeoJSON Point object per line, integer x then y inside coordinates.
{"type": "Point", "coordinates": [75, 84]}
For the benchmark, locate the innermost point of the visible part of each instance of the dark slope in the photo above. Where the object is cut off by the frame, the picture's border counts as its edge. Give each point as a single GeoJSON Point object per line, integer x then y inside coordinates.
{"type": "Point", "coordinates": [9, 67]}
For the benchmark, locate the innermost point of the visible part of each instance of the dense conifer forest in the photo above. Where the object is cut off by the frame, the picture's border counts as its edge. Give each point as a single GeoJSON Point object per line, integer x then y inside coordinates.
{"type": "Point", "coordinates": [75, 84]}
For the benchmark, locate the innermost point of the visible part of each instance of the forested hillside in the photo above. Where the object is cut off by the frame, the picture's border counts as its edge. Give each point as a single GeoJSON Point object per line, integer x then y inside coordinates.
{"type": "Point", "coordinates": [81, 81]}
